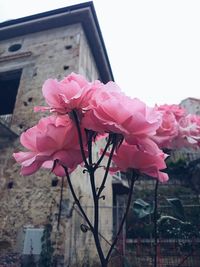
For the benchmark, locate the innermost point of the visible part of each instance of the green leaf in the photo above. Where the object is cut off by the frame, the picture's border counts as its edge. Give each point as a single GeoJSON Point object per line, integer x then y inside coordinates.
{"type": "Point", "coordinates": [177, 208]}
{"type": "Point", "coordinates": [142, 208]}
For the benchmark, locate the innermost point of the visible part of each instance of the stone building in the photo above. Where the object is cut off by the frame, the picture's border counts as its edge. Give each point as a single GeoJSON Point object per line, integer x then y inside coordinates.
{"type": "Point", "coordinates": [32, 49]}
{"type": "Point", "coordinates": [192, 105]}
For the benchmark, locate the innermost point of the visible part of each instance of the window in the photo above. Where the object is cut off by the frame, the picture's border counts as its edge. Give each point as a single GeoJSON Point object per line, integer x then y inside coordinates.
{"type": "Point", "coordinates": [32, 241]}
{"type": "Point", "coordinates": [14, 47]}
{"type": "Point", "coordinates": [9, 83]}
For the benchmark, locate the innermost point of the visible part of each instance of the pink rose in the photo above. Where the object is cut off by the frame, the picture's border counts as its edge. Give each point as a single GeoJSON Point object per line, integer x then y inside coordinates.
{"type": "Point", "coordinates": [168, 130]}
{"type": "Point", "coordinates": [177, 110]}
{"type": "Point", "coordinates": [72, 93]}
{"type": "Point", "coordinates": [111, 111]}
{"type": "Point", "coordinates": [189, 132]}
{"type": "Point", "coordinates": [51, 140]}
{"type": "Point", "coordinates": [131, 157]}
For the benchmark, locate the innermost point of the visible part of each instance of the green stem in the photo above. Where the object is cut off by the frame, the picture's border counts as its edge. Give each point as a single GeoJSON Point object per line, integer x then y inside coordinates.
{"type": "Point", "coordinates": [60, 204]}
{"type": "Point", "coordinates": [103, 153]}
{"type": "Point", "coordinates": [96, 220]}
{"type": "Point", "coordinates": [76, 199]}
{"type": "Point", "coordinates": [93, 229]}
{"type": "Point", "coordinates": [101, 188]}
{"type": "Point", "coordinates": [75, 117]}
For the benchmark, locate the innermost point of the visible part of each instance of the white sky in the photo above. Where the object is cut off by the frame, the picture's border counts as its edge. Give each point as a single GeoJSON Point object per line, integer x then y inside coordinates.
{"type": "Point", "coordinates": [153, 46]}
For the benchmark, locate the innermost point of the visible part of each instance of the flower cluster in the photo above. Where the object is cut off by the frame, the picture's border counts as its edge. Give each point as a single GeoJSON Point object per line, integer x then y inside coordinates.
{"type": "Point", "coordinates": [178, 129]}
{"type": "Point", "coordinates": [103, 109]}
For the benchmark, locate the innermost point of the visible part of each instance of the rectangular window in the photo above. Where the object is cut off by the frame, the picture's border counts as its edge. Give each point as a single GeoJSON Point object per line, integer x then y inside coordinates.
{"type": "Point", "coordinates": [9, 83]}
{"type": "Point", "coordinates": [32, 241]}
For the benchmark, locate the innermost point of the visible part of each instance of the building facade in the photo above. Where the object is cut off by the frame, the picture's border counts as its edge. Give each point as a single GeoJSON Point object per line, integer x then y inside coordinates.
{"type": "Point", "coordinates": [192, 105]}
{"type": "Point", "coordinates": [32, 49]}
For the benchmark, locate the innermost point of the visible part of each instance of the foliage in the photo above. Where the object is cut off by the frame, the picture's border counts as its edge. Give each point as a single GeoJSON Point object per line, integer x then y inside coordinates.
{"type": "Point", "coordinates": [172, 223]}
{"type": "Point", "coordinates": [177, 208]}
{"type": "Point", "coordinates": [177, 226]}
{"type": "Point", "coordinates": [141, 214]}
{"type": "Point", "coordinates": [185, 171]}
{"type": "Point", "coordinates": [142, 208]}
{"type": "Point", "coordinates": [176, 168]}
{"type": "Point", "coordinates": [46, 255]}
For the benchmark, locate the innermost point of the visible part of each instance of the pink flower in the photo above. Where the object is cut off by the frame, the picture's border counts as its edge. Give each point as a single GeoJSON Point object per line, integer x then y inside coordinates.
{"type": "Point", "coordinates": [177, 110]}
{"type": "Point", "coordinates": [178, 129]}
{"type": "Point", "coordinates": [51, 140]}
{"type": "Point", "coordinates": [131, 157]}
{"type": "Point", "coordinates": [167, 131]}
{"type": "Point", "coordinates": [72, 93]}
{"type": "Point", "coordinates": [189, 132]}
{"type": "Point", "coordinates": [169, 128]}
{"type": "Point", "coordinates": [112, 111]}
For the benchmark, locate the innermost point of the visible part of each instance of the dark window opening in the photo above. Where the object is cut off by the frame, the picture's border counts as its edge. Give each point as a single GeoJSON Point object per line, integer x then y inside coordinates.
{"type": "Point", "coordinates": [65, 67]}
{"type": "Point", "coordinates": [9, 83]}
{"type": "Point", "coordinates": [54, 182]}
{"type": "Point", "coordinates": [67, 47]}
{"type": "Point", "coordinates": [14, 47]}
{"type": "Point", "coordinates": [10, 185]}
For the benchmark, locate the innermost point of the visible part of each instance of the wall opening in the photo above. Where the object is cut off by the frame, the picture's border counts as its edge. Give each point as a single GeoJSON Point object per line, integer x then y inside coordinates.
{"type": "Point", "coordinates": [32, 241]}
{"type": "Point", "coordinates": [14, 47]}
{"type": "Point", "coordinates": [32, 246]}
{"type": "Point", "coordinates": [9, 84]}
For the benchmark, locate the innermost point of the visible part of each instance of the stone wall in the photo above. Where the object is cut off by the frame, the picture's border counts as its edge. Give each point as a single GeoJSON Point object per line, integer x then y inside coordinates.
{"type": "Point", "coordinates": [27, 201]}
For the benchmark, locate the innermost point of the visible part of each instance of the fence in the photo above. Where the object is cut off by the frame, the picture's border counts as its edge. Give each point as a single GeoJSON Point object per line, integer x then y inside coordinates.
{"type": "Point", "coordinates": [178, 249]}
{"type": "Point", "coordinates": [139, 252]}
{"type": "Point", "coordinates": [170, 253]}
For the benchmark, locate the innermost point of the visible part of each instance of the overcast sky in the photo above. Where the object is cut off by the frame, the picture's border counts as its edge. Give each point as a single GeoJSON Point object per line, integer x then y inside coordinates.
{"type": "Point", "coordinates": [153, 46]}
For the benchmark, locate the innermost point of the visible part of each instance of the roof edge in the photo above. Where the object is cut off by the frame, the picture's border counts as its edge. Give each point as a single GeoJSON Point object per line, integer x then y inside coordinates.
{"type": "Point", "coordinates": [83, 13]}
{"type": "Point", "coordinates": [46, 14]}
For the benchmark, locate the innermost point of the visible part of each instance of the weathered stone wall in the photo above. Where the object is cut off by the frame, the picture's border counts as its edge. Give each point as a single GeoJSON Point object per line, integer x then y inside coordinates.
{"type": "Point", "coordinates": [48, 54]}
{"type": "Point", "coordinates": [54, 53]}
